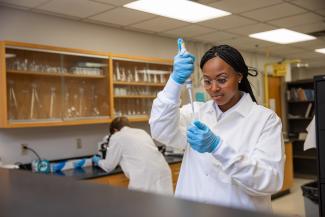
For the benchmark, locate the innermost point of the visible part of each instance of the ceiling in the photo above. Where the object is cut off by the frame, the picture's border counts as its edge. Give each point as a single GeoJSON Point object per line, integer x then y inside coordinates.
{"type": "Point", "coordinates": [248, 16]}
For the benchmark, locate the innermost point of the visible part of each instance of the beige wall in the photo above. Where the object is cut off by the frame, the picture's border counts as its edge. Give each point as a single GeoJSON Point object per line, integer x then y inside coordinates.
{"type": "Point", "coordinates": [306, 73]}
{"type": "Point", "coordinates": [59, 142]}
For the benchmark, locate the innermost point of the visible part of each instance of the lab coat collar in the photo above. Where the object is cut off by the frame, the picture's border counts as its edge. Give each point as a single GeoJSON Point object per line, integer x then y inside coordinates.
{"type": "Point", "coordinates": [243, 107]}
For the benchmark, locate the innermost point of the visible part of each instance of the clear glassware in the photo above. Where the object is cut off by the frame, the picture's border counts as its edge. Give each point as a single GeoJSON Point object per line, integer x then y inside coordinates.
{"type": "Point", "coordinates": [155, 80]}
{"type": "Point", "coordinates": [123, 75]}
{"type": "Point", "coordinates": [118, 73]}
{"type": "Point", "coordinates": [35, 105]}
{"type": "Point", "coordinates": [81, 101]}
{"type": "Point", "coordinates": [13, 106]}
{"type": "Point", "coordinates": [148, 76]}
{"type": "Point", "coordinates": [137, 103]}
{"type": "Point", "coordinates": [52, 102]}
{"type": "Point", "coordinates": [129, 76]}
{"type": "Point", "coordinates": [162, 77]}
{"type": "Point", "coordinates": [136, 75]}
{"type": "Point", "coordinates": [94, 97]}
{"type": "Point", "coordinates": [67, 110]}
{"type": "Point", "coordinates": [145, 78]}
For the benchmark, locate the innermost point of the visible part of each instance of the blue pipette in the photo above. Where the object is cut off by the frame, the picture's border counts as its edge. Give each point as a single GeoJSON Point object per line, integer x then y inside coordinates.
{"type": "Point", "coordinates": [188, 82]}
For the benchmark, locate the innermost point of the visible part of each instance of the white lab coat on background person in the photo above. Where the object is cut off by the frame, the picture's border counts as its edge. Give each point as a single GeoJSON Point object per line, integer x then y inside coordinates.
{"type": "Point", "coordinates": [247, 166]}
{"type": "Point", "coordinates": [134, 150]}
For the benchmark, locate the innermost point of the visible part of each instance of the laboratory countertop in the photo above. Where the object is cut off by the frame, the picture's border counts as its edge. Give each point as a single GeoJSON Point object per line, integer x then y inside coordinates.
{"type": "Point", "coordinates": [92, 172]}
{"type": "Point", "coordinates": [27, 194]}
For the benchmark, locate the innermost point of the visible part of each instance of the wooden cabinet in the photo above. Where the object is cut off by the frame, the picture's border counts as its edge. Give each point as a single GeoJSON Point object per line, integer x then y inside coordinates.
{"type": "Point", "coordinates": [136, 82]}
{"type": "Point", "coordinates": [175, 173]}
{"type": "Point", "coordinates": [288, 168]}
{"type": "Point", "coordinates": [121, 180]}
{"type": "Point", "coordinates": [52, 86]}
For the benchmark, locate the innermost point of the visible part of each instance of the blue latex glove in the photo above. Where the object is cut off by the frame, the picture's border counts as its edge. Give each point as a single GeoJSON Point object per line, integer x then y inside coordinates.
{"type": "Point", "coordinates": [183, 64]}
{"type": "Point", "coordinates": [79, 163]}
{"type": "Point", "coordinates": [95, 159]}
{"type": "Point", "coordinates": [56, 167]}
{"type": "Point", "coordinates": [201, 138]}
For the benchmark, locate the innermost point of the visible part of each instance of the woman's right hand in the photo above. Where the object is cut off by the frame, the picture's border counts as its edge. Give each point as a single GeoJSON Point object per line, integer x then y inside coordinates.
{"type": "Point", "coordinates": [183, 66]}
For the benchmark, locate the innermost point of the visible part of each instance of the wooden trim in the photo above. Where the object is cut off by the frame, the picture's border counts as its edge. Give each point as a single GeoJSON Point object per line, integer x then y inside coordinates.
{"type": "Point", "coordinates": [143, 118]}
{"type": "Point", "coordinates": [3, 87]}
{"type": "Point", "coordinates": [142, 59]}
{"type": "Point", "coordinates": [61, 50]}
{"type": "Point", "coordinates": [55, 48]}
{"type": "Point", "coordinates": [111, 87]}
{"type": "Point", "coordinates": [139, 84]}
{"type": "Point", "coordinates": [59, 123]}
{"type": "Point", "coordinates": [288, 168]}
{"type": "Point", "coordinates": [135, 97]}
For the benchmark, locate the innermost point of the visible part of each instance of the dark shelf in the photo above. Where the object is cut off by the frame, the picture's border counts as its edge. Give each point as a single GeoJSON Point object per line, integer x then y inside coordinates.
{"type": "Point", "coordinates": [301, 82]}
{"type": "Point", "coordinates": [306, 157]}
{"type": "Point", "coordinates": [301, 118]}
{"type": "Point", "coordinates": [297, 140]}
{"type": "Point", "coordinates": [301, 101]}
{"type": "Point", "coordinates": [305, 176]}
{"type": "Point", "coordinates": [297, 132]}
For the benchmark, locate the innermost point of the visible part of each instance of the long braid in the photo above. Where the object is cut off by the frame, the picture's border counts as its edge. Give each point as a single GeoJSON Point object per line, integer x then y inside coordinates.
{"type": "Point", "coordinates": [232, 57]}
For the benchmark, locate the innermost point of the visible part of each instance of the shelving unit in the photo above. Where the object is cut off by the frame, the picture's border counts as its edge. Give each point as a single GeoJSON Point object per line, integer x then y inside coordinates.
{"type": "Point", "coordinates": [44, 85]}
{"type": "Point", "coordinates": [136, 82]}
{"type": "Point", "coordinates": [52, 86]}
{"type": "Point", "coordinates": [300, 110]}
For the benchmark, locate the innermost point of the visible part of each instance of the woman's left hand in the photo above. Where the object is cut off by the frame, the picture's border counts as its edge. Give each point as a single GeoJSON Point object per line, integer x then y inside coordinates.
{"type": "Point", "coordinates": [201, 138]}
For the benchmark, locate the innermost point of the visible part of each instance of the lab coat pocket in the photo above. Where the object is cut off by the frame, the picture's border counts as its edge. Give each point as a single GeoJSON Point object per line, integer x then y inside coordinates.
{"type": "Point", "coordinates": [215, 171]}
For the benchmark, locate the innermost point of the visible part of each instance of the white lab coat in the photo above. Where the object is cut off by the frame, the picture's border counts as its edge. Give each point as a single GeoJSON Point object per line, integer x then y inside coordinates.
{"type": "Point", "coordinates": [134, 150]}
{"type": "Point", "coordinates": [248, 165]}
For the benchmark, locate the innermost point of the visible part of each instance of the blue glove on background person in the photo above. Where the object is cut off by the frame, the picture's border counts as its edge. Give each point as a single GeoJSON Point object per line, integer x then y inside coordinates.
{"type": "Point", "coordinates": [183, 65]}
{"type": "Point", "coordinates": [79, 163]}
{"type": "Point", "coordinates": [56, 167]}
{"type": "Point", "coordinates": [201, 138]}
{"type": "Point", "coordinates": [95, 159]}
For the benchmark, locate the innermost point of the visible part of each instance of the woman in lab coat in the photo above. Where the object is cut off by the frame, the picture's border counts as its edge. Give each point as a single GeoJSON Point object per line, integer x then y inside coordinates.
{"type": "Point", "coordinates": [134, 150]}
{"type": "Point", "coordinates": [234, 152]}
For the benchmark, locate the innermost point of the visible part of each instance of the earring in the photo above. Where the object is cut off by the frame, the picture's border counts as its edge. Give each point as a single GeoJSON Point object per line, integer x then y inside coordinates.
{"type": "Point", "coordinates": [239, 81]}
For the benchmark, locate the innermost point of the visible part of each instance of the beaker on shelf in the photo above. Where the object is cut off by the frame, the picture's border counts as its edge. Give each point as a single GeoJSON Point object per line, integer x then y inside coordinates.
{"type": "Point", "coordinates": [35, 105]}
{"type": "Point", "coordinates": [13, 106]}
{"type": "Point", "coordinates": [52, 102]}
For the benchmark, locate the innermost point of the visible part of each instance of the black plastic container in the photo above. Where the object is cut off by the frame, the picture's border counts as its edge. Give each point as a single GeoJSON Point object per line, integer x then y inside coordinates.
{"type": "Point", "coordinates": [311, 199]}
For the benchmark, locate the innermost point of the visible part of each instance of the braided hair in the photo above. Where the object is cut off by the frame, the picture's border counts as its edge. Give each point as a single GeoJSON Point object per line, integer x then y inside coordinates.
{"type": "Point", "coordinates": [232, 57]}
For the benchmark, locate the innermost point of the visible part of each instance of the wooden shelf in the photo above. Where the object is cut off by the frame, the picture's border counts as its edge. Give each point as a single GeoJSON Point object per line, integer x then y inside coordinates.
{"type": "Point", "coordinates": [64, 81]}
{"type": "Point", "coordinates": [138, 118]}
{"type": "Point", "coordinates": [306, 157]}
{"type": "Point", "coordinates": [16, 124]}
{"type": "Point", "coordinates": [297, 140]}
{"type": "Point", "coordinates": [302, 101]}
{"type": "Point", "coordinates": [305, 176]}
{"type": "Point", "coordinates": [138, 84]}
{"type": "Point", "coordinates": [301, 118]}
{"type": "Point", "coordinates": [54, 74]}
{"type": "Point", "coordinates": [135, 97]}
